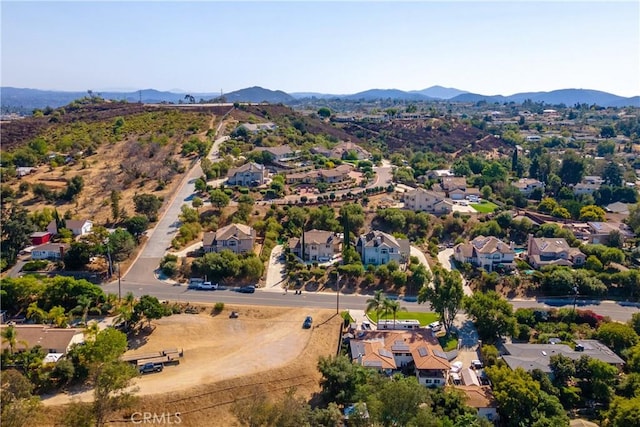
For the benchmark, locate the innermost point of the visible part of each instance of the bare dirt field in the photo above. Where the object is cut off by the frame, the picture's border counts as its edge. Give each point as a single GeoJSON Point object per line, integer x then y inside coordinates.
{"type": "Point", "coordinates": [265, 350]}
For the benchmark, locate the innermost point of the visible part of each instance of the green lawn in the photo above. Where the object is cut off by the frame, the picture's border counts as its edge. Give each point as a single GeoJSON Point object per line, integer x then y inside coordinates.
{"type": "Point", "coordinates": [484, 207]}
{"type": "Point", "coordinates": [423, 318]}
{"type": "Point", "coordinates": [448, 342]}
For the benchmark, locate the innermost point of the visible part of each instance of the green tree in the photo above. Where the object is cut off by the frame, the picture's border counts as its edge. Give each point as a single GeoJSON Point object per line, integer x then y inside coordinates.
{"type": "Point", "coordinates": [115, 205]}
{"type": "Point", "coordinates": [400, 400]}
{"type": "Point", "coordinates": [341, 379]}
{"type": "Point", "coordinates": [149, 307]}
{"type": "Point", "coordinates": [74, 187]}
{"type": "Point", "coordinates": [78, 255]}
{"type": "Point", "coordinates": [148, 205]}
{"type": "Point", "coordinates": [121, 244]}
{"type": "Point", "coordinates": [617, 336]}
{"type": "Point", "coordinates": [19, 407]}
{"type": "Point", "coordinates": [613, 175]}
{"type": "Point", "coordinates": [16, 229]}
{"type": "Point", "coordinates": [492, 315]}
{"type": "Point", "coordinates": [623, 412]}
{"type": "Point", "coordinates": [136, 225]}
{"type": "Point", "coordinates": [218, 199]}
{"type": "Point", "coordinates": [324, 112]}
{"type": "Point", "coordinates": [376, 303]}
{"type": "Point", "coordinates": [563, 368]}
{"type": "Point", "coordinates": [445, 295]}
{"type": "Point", "coordinates": [592, 213]}
{"type": "Point", "coordinates": [572, 168]}
{"type": "Point", "coordinates": [10, 336]}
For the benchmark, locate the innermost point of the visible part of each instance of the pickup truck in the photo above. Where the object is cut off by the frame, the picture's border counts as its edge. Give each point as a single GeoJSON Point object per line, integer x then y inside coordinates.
{"type": "Point", "coordinates": [151, 367]}
{"type": "Point", "coordinates": [208, 286]}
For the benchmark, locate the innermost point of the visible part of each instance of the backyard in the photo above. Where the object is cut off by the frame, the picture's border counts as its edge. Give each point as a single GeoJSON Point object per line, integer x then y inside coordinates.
{"type": "Point", "coordinates": [484, 206]}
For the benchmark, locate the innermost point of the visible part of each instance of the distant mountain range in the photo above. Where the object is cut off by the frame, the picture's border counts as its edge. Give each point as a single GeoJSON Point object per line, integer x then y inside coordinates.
{"type": "Point", "coordinates": [29, 99]}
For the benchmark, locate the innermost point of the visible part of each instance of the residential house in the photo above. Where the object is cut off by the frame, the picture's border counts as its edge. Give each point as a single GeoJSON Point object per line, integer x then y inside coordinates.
{"type": "Point", "coordinates": [527, 185]}
{"type": "Point", "coordinates": [379, 248]}
{"type": "Point", "coordinates": [257, 127]}
{"type": "Point", "coordinates": [56, 342]}
{"type": "Point", "coordinates": [237, 238]}
{"type": "Point", "coordinates": [600, 231]}
{"type": "Point", "coordinates": [485, 252]}
{"type": "Point", "coordinates": [428, 201]}
{"type": "Point", "coordinates": [319, 245]}
{"type": "Point", "coordinates": [482, 399]}
{"type": "Point", "coordinates": [279, 153]}
{"type": "Point", "coordinates": [450, 183]}
{"type": "Point", "coordinates": [543, 251]}
{"type": "Point", "coordinates": [24, 171]}
{"type": "Point", "coordinates": [585, 188]}
{"type": "Point", "coordinates": [394, 351]}
{"type": "Point", "coordinates": [40, 238]}
{"type": "Point", "coordinates": [438, 174]}
{"type": "Point", "coordinates": [78, 227]}
{"type": "Point", "coordinates": [538, 356]}
{"type": "Point", "coordinates": [467, 193]}
{"type": "Point", "coordinates": [249, 174]}
{"type": "Point", "coordinates": [331, 176]}
{"type": "Point", "coordinates": [343, 149]}
{"type": "Point", "coordinates": [593, 179]}
{"type": "Point", "coordinates": [619, 208]}
{"type": "Point", "coordinates": [50, 251]}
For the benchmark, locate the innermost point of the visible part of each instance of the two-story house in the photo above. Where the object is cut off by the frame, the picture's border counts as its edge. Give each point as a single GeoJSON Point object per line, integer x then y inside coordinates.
{"type": "Point", "coordinates": [249, 174]}
{"type": "Point", "coordinates": [429, 201]}
{"type": "Point", "coordinates": [455, 187]}
{"type": "Point", "coordinates": [379, 248]}
{"type": "Point", "coordinates": [485, 252]}
{"type": "Point", "coordinates": [237, 238]}
{"type": "Point", "coordinates": [319, 245]}
{"type": "Point", "coordinates": [417, 350]}
{"type": "Point", "coordinates": [600, 231]}
{"type": "Point", "coordinates": [543, 251]}
{"type": "Point", "coordinates": [331, 176]}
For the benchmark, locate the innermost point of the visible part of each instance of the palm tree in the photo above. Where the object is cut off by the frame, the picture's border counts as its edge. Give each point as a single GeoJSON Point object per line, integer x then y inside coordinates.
{"type": "Point", "coordinates": [35, 313]}
{"type": "Point", "coordinates": [10, 335]}
{"type": "Point", "coordinates": [393, 307]}
{"type": "Point", "coordinates": [58, 317]}
{"type": "Point", "coordinates": [376, 303]}
{"type": "Point", "coordinates": [91, 331]}
{"type": "Point", "coordinates": [125, 311]}
{"type": "Point", "coordinates": [84, 302]}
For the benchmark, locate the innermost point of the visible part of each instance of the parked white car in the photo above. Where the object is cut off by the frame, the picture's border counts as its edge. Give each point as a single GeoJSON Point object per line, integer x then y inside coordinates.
{"type": "Point", "coordinates": [456, 367]}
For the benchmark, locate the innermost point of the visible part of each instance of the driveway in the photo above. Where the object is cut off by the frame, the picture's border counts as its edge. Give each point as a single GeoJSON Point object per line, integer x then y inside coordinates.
{"type": "Point", "coordinates": [446, 260]}
{"type": "Point", "coordinates": [276, 276]}
{"type": "Point", "coordinates": [421, 258]}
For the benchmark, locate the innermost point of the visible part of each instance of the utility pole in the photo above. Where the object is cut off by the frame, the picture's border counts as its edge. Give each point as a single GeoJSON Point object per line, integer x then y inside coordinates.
{"type": "Point", "coordinates": [119, 285]}
{"type": "Point", "coordinates": [338, 295]}
{"type": "Point", "coordinates": [575, 298]}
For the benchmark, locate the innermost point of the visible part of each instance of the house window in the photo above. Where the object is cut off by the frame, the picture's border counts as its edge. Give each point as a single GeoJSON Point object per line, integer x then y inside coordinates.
{"type": "Point", "coordinates": [384, 251]}
{"type": "Point", "coordinates": [313, 248]}
{"type": "Point", "coordinates": [428, 381]}
{"type": "Point", "coordinates": [372, 260]}
{"type": "Point", "coordinates": [232, 243]}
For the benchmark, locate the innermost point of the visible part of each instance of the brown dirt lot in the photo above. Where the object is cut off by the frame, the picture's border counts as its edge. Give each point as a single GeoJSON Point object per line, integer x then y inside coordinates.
{"type": "Point", "coordinates": [265, 350]}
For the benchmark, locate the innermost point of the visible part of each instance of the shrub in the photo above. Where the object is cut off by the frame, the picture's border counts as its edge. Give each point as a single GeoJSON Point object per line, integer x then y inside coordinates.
{"type": "Point", "coordinates": [218, 307]}
{"type": "Point", "coordinates": [35, 265]}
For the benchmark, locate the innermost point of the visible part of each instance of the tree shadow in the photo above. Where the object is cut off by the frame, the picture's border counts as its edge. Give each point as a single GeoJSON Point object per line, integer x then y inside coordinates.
{"type": "Point", "coordinates": [139, 336]}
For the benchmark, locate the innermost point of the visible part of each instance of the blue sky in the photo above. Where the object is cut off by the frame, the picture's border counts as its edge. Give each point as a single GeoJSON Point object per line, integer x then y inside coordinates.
{"type": "Point", "coordinates": [330, 47]}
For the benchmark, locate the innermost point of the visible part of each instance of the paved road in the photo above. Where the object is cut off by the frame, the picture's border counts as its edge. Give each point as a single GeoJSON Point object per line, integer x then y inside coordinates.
{"type": "Point", "coordinates": [159, 237]}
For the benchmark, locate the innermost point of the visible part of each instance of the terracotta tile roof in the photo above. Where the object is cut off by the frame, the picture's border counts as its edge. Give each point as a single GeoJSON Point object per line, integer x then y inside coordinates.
{"type": "Point", "coordinates": [376, 348]}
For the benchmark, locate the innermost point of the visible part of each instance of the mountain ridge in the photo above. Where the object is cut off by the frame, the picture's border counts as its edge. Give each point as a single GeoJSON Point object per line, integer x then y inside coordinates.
{"type": "Point", "coordinates": [28, 99]}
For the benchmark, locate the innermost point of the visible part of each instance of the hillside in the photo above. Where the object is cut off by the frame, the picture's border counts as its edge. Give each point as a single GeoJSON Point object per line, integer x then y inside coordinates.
{"type": "Point", "coordinates": [127, 148]}
{"type": "Point", "coordinates": [437, 135]}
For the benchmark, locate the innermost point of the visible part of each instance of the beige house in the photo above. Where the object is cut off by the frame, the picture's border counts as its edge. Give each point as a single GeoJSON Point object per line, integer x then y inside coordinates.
{"type": "Point", "coordinates": [543, 251]}
{"type": "Point", "coordinates": [379, 248]}
{"type": "Point", "coordinates": [527, 185]}
{"type": "Point", "coordinates": [391, 351]}
{"type": "Point", "coordinates": [428, 201]}
{"type": "Point", "coordinates": [54, 341]}
{"type": "Point", "coordinates": [257, 127]}
{"type": "Point", "coordinates": [331, 176]}
{"type": "Point", "coordinates": [450, 183]}
{"type": "Point", "coordinates": [250, 174]}
{"type": "Point", "coordinates": [485, 252]}
{"type": "Point", "coordinates": [279, 153]}
{"type": "Point", "coordinates": [482, 399]}
{"type": "Point", "coordinates": [319, 245]}
{"type": "Point", "coordinates": [237, 238]}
